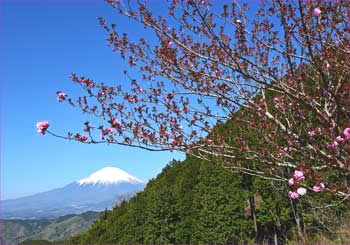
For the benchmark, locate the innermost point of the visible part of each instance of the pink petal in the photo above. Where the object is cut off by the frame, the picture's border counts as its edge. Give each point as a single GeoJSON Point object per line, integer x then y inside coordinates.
{"type": "Point", "coordinates": [347, 132]}
{"type": "Point", "coordinates": [339, 139]}
{"type": "Point", "coordinates": [301, 191]}
{"type": "Point", "coordinates": [317, 12]}
{"type": "Point", "coordinates": [299, 175]}
{"type": "Point", "coordinates": [291, 181]}
{"type": "Point", "coordinates": [318, 188]}
{"type": "Point", "coordinates": [293, 194]}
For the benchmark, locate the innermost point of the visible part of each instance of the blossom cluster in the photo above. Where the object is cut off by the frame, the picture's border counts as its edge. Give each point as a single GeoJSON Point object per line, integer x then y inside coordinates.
{"type": "Point", "coordinates": [313, 133]}
{"type": "Point", "coordinates": [298, 176]}
{"type": "Point", "coordinates": [81, 138]}
{"type": "Point", "coordinates": [42, 127]}
{"type": "Point", "coordinates": [105, 132]}
{"type": "Point", "coordinates": [339, 139]}
{"type": "Point", "coordinates": [115, 123]}
{"type": "Point", "coordinates": [61, 96]}
{"type": "Point", "coordinates": [294, 181]}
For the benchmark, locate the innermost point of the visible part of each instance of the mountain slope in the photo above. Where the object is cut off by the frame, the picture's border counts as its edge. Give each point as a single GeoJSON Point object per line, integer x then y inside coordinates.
{"type": "Point", "coordinates": [103, 189]}
{"type": "Point", "coordinates": [15, 231]}
{"type": "Point", "coordinates": [62, 229]}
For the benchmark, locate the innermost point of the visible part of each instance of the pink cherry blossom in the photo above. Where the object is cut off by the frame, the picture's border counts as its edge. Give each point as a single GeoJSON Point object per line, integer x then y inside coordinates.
{"type": "Point", "coordinates": [105, 132]}
{"type": "Point", "coordinates": [291, 181]}
{"type": "Point", "coordinates": [43, 124]}
{"type": "Point", "coordinates": [293, 194]}
{"type": "Point", "coordinates": [42, 127]}
{"type": "Point", "coordinates": [339, 139]}
{"type": "Point", "coordinates": [317, 12]}
{"type": "Point", "coordinates": [318, 188]}
{"type": "Point", "coordinates": [238, 21]}
{"type": "Point", "coordinates": [110, 130]}
{"type": "Point", "coordinates": [347, 133]}
{"type": "Point", "coordinates": [115, 123]}
{"type": "Point", "coordinates": [298, 175]}
{"type": "Point", "coordinates": [311, 133]}
{"type": "Point", "coordinates": [83, 138]}
{"type": "Point", "coordinates": [301, 191]}
{"type": "Point", "coordinates": [333, 146]}
{"type": "Point", "coordinates": [61, 96]}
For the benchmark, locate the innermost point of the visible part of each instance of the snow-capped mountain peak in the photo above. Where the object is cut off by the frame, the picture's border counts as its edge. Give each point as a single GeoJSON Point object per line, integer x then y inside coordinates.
{"type": "Point", "coordinates": [109, 175]}
{"type": "Point", "coordinates": [102, 189]}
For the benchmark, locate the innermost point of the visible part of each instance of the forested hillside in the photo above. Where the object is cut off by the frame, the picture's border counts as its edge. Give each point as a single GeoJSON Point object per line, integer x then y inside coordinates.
{"type": "Point", "coordinates": [199, 202]}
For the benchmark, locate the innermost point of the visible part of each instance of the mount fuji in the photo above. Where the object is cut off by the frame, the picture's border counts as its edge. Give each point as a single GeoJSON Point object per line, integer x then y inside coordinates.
{"type": "Point", "coordinates": [102, 189]}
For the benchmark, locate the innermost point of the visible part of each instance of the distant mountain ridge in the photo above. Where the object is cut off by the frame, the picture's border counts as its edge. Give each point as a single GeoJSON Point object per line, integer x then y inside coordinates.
{"type": "Point", "coordinates": [102, 189]}
{"type": "Point", "coordinates": [15, 231]}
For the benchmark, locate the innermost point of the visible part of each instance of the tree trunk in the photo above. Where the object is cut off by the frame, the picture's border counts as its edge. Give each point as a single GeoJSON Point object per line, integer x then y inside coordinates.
{"type": "Point", "coordinates": [253, 214]}
{"type": "Point", "coordinates": [275, 238]}
{"type": "Point", "coordinates": [299, 229]}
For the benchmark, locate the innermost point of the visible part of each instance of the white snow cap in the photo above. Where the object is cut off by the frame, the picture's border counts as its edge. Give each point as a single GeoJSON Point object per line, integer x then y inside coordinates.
{"type": "Point", "coordinates": [109, 175]}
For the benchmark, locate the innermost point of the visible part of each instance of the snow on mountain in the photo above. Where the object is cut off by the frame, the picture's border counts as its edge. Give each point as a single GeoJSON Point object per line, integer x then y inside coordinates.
{"type": "Point", "coordinates": [109, 175]}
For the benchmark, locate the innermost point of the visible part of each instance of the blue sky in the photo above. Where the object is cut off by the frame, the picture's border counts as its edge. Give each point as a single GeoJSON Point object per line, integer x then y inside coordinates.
{"type": "Point", "coordinates": [42, 43]}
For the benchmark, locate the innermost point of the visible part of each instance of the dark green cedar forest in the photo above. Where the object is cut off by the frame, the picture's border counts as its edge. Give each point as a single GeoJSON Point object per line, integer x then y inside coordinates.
{"type": "Point", "coordinates": [199, 202]}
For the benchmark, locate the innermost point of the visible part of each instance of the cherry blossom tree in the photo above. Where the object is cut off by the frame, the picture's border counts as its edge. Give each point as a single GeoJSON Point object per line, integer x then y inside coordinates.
{"type": "Point", "coordinates": [264, 90]}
